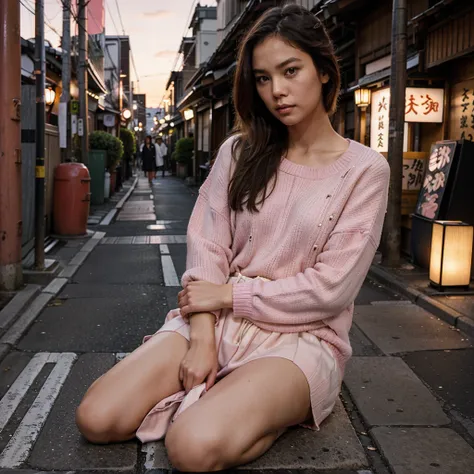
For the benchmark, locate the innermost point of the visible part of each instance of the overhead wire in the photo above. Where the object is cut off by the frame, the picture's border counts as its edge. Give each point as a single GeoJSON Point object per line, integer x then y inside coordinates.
{"type": "Point", "coordinates": [29, 7]}
{"type": "Point", "coordinates": [132, 57]}
{"type": "Point", "coordinates": [178, 54]}
{"type": "Point", "coordinates": [120, 16]}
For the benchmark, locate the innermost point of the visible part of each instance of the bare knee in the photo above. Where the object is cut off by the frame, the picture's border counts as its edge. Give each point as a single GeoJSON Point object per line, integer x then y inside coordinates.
{"type": "Point", "coordinates": [98, 424]}
{"type": "Point", "coordinates": [194, 450]}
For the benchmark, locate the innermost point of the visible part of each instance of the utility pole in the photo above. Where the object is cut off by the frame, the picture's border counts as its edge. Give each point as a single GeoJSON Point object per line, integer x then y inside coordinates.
{"type": "Point", "coordinates": [398, 75]}
{"type": "Point", "coordinates": [40, 131]}
{"type": "Point", "coordinates": [83, 100]}
{"type": "Point", "coordinates": [10, 151]}
{"type": "Point", "coordinates": [64, 115]}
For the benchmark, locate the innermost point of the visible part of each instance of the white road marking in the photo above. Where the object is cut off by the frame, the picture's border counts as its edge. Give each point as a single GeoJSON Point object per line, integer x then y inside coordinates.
{"type": "Point", "coordinates": [169, 272]}
{"type": "Point", "coordinates": [392, 303]}
{"type": "Point", "coordinates": [121, 355]}
{"type": "Point", "coordinates": [17, 391]}
{"type": "Point", "coordinates": [149, 450]}
{"type": "Point", "coordinates": [18, 448]}
{"type": "Point", "coordinates": [164, 249]}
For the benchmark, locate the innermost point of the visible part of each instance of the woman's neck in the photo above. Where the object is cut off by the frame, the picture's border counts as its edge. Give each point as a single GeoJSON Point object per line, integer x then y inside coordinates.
{"type": "Point", "coordinates": [314, 133]}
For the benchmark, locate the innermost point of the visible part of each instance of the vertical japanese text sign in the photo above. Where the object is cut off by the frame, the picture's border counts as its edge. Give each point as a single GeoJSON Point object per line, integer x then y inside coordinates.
{"type": "Point", "coordinates": [431, 195]}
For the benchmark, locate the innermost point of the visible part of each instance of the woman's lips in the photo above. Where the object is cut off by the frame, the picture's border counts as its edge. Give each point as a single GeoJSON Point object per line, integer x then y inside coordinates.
{"type": "Point", "coordinates": [285, 109]}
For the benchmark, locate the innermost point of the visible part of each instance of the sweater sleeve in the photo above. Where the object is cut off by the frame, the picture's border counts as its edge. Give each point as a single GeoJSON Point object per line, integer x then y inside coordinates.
{"type": "Point", "coordinates": [331, 286]}
{"type": "Point", "coordinates": [209, 236]}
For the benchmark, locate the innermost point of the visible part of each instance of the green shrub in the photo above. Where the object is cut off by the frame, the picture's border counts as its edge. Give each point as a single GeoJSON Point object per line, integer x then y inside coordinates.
{"type": "Point", "coordinates": [99, 140]}
{"type": "Point", "coordinates": [184, 150]}
{"type": "Point", "coordinates": [128, 141]}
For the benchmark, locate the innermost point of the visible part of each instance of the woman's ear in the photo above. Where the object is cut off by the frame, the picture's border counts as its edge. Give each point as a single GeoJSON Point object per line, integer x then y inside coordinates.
{"type": "Point", "coordinates": [324, 76]}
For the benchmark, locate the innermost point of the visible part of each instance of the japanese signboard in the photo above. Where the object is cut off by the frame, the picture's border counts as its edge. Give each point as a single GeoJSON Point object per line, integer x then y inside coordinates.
{"type": "Point", "coordinates": [424, 104]}
{"type": "Point", "coordinates": [379, 122]}
{"type": "Point", "coordinates": [413, 172]}
{"type": "Point", "coordinates": [439, 165]}
{"type": "Point", "coordinates": [462, 111]}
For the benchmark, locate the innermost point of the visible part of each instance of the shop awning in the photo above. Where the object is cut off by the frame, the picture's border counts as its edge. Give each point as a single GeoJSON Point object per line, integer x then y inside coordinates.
{"type": "Point", "coordinates": [378, 76]}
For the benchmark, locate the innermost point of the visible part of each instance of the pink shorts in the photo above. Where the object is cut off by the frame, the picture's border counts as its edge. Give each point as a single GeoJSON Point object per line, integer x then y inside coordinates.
{"type": "Point", "coordinates": [239, 341]}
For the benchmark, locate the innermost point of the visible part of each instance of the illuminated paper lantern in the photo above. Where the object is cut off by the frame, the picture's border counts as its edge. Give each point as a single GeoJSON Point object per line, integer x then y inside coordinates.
{"type": "Point", "coordinates": [362, 97]}
{"type": "Point", "coordinates": [451, 254]}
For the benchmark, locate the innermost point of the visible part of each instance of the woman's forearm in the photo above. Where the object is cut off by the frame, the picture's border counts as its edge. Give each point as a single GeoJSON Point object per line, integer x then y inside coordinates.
{"type": "Point", "coordinates": [202, 328]}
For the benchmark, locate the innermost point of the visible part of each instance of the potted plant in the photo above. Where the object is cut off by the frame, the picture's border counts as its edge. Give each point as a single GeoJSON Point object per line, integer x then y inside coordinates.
{"type": "Point", "coordinates": [183, 154]}
{"type": "Point", "coordinates": [129, 148]}
{"type": "Point", "coordinates": [99, 140]}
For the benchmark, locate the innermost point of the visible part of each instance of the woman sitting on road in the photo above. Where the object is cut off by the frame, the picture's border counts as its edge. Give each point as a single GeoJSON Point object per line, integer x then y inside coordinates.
{"type": "Point", "coordinates": [279, 243]}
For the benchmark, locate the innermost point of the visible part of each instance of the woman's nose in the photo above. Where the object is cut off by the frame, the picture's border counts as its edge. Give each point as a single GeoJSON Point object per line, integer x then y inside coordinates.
{"type": "Point", "coordinates": [279, 88]}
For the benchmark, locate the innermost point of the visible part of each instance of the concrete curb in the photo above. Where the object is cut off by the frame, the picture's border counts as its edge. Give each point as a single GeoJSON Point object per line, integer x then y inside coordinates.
{"type": "Point", "coordinates": [28, 304]}
{"type": "Point", "coordinates": [23, 318]}
{"type": "Point", "coordinates": [22, 299]}
{"type": "Point", "coordinates": [112, 213]}
{"type": "Point", "coordinates": [445, 313]}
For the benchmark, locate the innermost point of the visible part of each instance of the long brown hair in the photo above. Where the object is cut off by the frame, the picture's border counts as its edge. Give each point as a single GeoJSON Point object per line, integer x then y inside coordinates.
{"type": "Point", "coordinates": [262, 139]}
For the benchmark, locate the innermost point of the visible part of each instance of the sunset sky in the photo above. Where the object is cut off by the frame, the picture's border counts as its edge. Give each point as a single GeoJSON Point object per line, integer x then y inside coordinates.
{"type": "Point", "coordinates": [155, 28]}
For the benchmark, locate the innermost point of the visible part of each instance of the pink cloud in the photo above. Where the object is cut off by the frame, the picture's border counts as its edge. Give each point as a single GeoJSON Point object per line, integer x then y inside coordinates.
{"type": "Point", "coordinates": [157, 13]}
{"type": "Point", "coordinates": [166, 53]}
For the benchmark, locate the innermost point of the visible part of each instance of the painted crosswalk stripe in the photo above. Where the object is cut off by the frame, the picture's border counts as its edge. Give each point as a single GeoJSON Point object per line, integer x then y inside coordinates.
{"type": "Point", "coordinates": [164, 249]}
{"type": "Point", "coordinates": [17, 391]}
{"type": "Point", "coordinates": [10, 401]}
{"type": "Point", "coordinates": [169, 272]}
{"type": "Point", "coordinates": [18, 448]}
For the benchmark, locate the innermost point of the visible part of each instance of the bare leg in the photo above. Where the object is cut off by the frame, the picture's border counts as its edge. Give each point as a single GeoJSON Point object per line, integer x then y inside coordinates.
{"type": "Point", "coordinates": [240, 417]}
{"type": "Point", "coordinates": [116, 404]}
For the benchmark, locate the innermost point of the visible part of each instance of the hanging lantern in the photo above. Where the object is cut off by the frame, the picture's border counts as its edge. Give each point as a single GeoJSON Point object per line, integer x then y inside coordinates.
{"type": "Point", "coordinates": [362, 97]}
{"type": "Point", "coordinates": [49, 96]}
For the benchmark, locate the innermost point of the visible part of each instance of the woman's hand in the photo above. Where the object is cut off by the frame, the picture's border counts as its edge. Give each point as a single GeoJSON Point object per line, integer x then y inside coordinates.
{"type": "Point", "coordinates": [199, 296]}
{"type": "Point", "coordinates": [200, 362]}
{"type": "Point", "coordinates": [199, 365]}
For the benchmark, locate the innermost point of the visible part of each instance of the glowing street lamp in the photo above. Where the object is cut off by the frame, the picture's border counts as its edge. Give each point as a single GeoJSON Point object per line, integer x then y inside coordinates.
{"type": "Point", "coordinates": [49, 96]}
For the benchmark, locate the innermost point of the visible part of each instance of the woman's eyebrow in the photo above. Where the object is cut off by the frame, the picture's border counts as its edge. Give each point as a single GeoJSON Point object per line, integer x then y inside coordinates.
{"type": "Point", "coordinates": [280, 66]}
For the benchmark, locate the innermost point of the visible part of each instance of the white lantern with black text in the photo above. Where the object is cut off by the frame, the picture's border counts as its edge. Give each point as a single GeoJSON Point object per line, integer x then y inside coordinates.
{"type": "Point", "coordinates": [451, 254]}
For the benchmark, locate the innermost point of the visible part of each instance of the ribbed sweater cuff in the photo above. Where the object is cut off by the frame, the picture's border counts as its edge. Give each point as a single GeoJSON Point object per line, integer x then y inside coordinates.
{"type": "Point", "coordinates": [242, 299]}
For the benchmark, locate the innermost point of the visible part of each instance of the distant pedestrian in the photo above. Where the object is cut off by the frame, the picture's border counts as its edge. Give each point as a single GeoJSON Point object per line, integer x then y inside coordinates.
{"type": "Point", "coordinates": [279, 242]}
{"type": "Point", "coordinates": [149, 154]}
{"type": "Point", "coordinates": [164, 153]}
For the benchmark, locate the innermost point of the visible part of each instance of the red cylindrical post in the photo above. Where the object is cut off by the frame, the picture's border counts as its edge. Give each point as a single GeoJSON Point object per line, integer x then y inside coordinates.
{"type": "Point", "coordinates": [10, 146]}
{"type": "Point", "coordinates": [71, 199]}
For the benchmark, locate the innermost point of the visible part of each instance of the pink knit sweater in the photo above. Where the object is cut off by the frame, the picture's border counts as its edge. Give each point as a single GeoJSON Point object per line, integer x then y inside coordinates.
{"type": "Point", "coordinates": [315, 238]}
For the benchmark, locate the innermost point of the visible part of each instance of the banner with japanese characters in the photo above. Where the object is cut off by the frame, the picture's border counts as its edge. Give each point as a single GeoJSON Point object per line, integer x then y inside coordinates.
{"type": "Point", "coordinates": [462, 111]}
{"type": "Point", "coordinates": [379, 120]}
{"type": "Point", "coordinates": [421, 105]}
{"type": "Point", "coordinates": [436, 178]}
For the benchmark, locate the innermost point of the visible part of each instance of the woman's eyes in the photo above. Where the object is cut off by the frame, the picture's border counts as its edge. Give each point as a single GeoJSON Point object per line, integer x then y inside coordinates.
{"type": "Point", "coordinates": [261, 79]}
{"type": "Point", "coordinates": [290, 72]}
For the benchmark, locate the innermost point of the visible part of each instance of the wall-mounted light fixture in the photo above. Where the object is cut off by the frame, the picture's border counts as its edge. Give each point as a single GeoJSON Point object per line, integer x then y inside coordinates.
{"type": "Point", "coordinates": [188, 114]}
{"type": "Point", "coordinates": [362, 97]}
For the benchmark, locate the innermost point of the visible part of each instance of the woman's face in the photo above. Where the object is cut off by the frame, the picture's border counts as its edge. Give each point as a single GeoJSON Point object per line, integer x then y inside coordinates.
{"type": "Point", "coordinates": [287, 81]}
{"type": "Point", "coordinates": [147, 141]}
